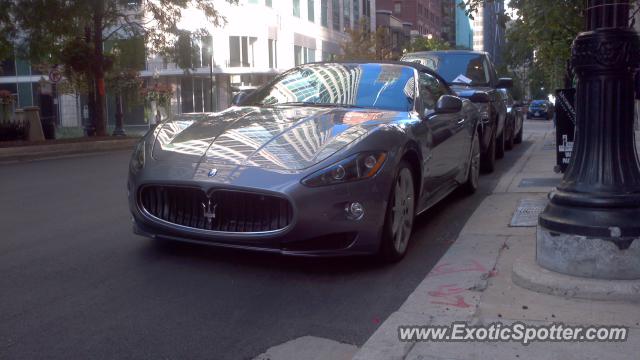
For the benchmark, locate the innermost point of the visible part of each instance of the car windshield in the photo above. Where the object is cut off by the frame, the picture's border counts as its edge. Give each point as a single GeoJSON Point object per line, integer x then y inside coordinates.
{"type": "Point", "coordinates": [376, 86]}
{"type": "Point", "coordinates": [466, 69]}
{"type": "Point", "coordinates": [538, 103]}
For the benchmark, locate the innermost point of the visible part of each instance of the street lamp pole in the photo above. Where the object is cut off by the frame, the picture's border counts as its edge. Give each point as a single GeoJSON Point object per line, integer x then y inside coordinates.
{"type": "Point", "coordinates": [591, 226]}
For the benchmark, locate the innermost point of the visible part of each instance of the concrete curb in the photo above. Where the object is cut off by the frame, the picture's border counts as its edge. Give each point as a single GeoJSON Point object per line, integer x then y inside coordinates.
{"type": "Point", "coordinates": [453, 288]}
{"type": "Point", "coordinates": [19, 153]}
{"type": "Point", "coordinates": [529, 275]}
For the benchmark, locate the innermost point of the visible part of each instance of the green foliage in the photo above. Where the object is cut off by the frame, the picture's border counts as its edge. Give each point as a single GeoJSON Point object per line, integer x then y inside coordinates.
{"type": "Point", "coordinates": [426, 44]}
{"type": "Point", "coordinates": [363, 44]}
{"type": "Point", "coordinates": [88, 38]}
{"type": "Point", "coordinates": [539, 38]}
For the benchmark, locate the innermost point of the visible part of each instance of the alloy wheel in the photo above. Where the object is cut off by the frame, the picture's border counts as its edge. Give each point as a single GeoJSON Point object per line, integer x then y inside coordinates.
{"type": "Point", "coordinates": [403, 210]}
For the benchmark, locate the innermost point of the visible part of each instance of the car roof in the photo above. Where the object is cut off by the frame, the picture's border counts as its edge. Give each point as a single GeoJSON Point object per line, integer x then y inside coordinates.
{"type": "Point", "coordinates": [452, 52]}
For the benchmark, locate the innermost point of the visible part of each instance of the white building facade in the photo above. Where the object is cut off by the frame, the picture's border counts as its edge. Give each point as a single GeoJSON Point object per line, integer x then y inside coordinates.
{"type": "Point", "coordinates": [260, 39]}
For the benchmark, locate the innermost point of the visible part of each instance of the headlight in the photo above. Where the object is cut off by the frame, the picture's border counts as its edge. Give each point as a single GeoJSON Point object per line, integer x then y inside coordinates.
{"type": "Point", "coordinates": [137, 159]}
{"type": "Point", "coordinates": [483, 108]}
{"type": "Point", "coordinates": [356, 167]}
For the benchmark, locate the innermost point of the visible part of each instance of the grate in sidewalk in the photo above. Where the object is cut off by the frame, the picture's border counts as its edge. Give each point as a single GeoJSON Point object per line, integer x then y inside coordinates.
{"type": "Point", "coordinates": [540, 182]}
{"type": "Point", "coordinates": [527, 212]}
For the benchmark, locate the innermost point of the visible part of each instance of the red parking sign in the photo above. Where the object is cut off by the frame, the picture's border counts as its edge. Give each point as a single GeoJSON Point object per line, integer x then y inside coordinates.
{"type": "Point", "coordinates": [55, 75]}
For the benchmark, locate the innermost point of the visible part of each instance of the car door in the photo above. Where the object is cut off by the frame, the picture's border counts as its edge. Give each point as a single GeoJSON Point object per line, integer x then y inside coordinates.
{"type": "Point", "coordinates": [444, 156]}
{"type": "Point", "coordinates": [460, 138]}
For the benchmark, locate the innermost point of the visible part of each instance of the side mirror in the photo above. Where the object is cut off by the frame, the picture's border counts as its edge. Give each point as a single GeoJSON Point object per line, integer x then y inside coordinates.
{"type": "Point", "coordinates": [240, 97]}
{"type": "Point", "coordinates": [505, 83]}
{"type": "Point", "coordinates": [448, 104]}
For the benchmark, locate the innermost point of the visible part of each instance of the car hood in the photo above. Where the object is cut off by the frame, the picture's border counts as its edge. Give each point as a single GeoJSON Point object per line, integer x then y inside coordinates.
{"type": "Point", "coordinates": [286, 138]}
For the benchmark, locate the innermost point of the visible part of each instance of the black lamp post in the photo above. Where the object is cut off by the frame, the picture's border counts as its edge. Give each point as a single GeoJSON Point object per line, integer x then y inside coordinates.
{"type": "Point", "coordinates": [591, 226]}
{"type": "Point", "coordinates": [119, 129]}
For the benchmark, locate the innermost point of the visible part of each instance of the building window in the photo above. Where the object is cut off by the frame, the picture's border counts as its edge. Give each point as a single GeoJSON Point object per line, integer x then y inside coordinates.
{"type": "Point", "coordinates": [207, 53]}
{"type": "Point", "coordinates": [253, 1]}
{"type": "Point", "coordinates": [397, 7]}
{"type": "Point", "coordinates": [335, 16]}
{"type": "Point", "coordinates": [324, 13]}
{"type": "Point", "coordinates": [356, 11]}
{"type": "Point", "coordinates": [296, 8]}
{"type": "Point", "coordinates": [310, 55]}
{"type": "Point", "coordinates": [195, 94]}
{"type": "Point", "coordinates": [241, 51]}
{"type": "Point", "coordinates": [346, 13]}
{"type": "Point", "coordinates": [273, 54]}
{"type": "Point", "coordinates": [297, 55]}
{"type": "Point", "coordinates": [303, 55]}
{"type": "Point", "coordinates": [311, 10]}
{"type": "Point", "coordinates": [268, 3]}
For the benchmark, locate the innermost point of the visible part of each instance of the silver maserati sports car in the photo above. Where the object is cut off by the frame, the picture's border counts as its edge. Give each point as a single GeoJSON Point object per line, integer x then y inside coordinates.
{"type": "Point", "coordinates": [327, 159]}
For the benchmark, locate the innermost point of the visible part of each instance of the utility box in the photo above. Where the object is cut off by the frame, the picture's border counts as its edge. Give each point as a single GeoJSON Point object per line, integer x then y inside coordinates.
{"type": "Point", "coordinates": [565, 127]}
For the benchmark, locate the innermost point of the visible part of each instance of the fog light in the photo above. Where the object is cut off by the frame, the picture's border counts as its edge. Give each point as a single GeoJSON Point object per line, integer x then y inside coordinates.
{"type": "Point", "coordinates": [354, 210]}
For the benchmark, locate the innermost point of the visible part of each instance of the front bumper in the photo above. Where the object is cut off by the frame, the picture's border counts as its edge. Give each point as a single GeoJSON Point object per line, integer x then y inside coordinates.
{"type": "Point", "coordinates": [541, 114]}
{"type": "Point", "coordinates": [319, 226]}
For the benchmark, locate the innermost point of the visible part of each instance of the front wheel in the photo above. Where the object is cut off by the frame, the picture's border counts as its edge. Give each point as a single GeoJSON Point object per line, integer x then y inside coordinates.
{"type": "Point", "coordinates": [473, 173]}
{"type": "Point", "coordinates": [399, 217]}
{"type": "Point", "coordinates": [488, 158]}
{"type": "Point", "coordinates": [518, 138]}
{"type": "Point", "coordinates": [511, 139]}
{"type": "Point", "coordinates": [500, 142]}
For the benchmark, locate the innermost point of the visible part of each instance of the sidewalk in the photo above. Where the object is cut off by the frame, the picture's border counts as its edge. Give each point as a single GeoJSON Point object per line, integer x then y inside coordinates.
{"type": "Point", "coordinates": [472, 282]}
{"type": "Point", "coordinates": [54, 149]}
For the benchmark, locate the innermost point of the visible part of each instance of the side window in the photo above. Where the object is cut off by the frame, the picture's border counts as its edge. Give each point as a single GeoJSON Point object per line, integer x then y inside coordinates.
{"type": "Point", "coordinates": [430, 90]}
{"type": "Point", "coordinates": [426, 91]}
{"type": "Point", "coordinates": [490, 72]}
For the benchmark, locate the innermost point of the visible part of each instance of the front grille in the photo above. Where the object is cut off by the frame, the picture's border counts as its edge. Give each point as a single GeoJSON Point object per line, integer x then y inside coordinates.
{"type": "Point", "coordinates": [222, 210]}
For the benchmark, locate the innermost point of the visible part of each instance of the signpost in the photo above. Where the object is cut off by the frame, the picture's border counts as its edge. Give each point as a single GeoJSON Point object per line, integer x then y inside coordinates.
{"type": "Point", "coordinates": [565, 127]}
{"type": "Point", "coordinates": [55, 75]}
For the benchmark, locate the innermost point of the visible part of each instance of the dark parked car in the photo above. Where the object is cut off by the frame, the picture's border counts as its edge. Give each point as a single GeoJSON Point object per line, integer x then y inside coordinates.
{"type": "Point", "coordinates": [471, 75]}
{"type": "Point", "coordinates": [327, 159]}
{"type": "Point", "coordinates": [540, 109]}
{"type": "Point", "coordinates": [514, 124]}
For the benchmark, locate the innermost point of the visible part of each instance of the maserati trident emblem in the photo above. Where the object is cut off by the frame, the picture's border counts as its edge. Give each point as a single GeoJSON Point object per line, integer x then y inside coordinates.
{"type": "Point", "coordinates": [209, 211]}
{"type": "Point", "coordinates": [212, 172]}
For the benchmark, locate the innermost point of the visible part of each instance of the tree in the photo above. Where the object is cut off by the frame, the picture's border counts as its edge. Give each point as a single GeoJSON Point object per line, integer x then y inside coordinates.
{"type": "Point", "coordinates": [422, 43]}
{"type": "Point", "coordinates": [81, 29]}
{"type": "Point", "coordinates": [363, 44]}
{"type": "Point", "coordinates": [541, 33]}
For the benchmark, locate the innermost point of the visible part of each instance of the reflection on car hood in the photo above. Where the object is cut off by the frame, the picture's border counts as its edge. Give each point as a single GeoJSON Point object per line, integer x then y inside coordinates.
{"type": "Point", "coordinates": [286, 138]}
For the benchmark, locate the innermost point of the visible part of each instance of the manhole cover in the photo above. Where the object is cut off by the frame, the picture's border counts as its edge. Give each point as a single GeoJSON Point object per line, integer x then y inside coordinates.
{"type": "Point", "coordinates": [527, 212]}
{"type": "Point", "coordinates": [539, 182]}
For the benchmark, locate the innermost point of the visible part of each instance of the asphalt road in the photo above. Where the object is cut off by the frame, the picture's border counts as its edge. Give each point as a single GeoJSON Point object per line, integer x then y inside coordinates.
{"type": "Point", "coordinates": [76, 283]}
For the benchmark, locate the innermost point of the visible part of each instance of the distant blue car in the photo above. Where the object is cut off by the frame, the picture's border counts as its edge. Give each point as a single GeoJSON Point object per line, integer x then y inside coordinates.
{"type": "Point", "coordinates": [540, 109]}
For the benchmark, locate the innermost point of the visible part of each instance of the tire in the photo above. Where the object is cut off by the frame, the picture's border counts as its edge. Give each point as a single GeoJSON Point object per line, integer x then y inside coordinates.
{"type": "Point", "coordinates": [401, 210]}
{"type": "Point", "coordinates": [473, 173]}
{"type": "Point", "coordinates": [508, 145]}
{"type": "Point", "coordinates": [488, 158]}
{"type": "Point", "coordinates": [518, 139]}
{"type": "Point", "coordinates": [500, 144]}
